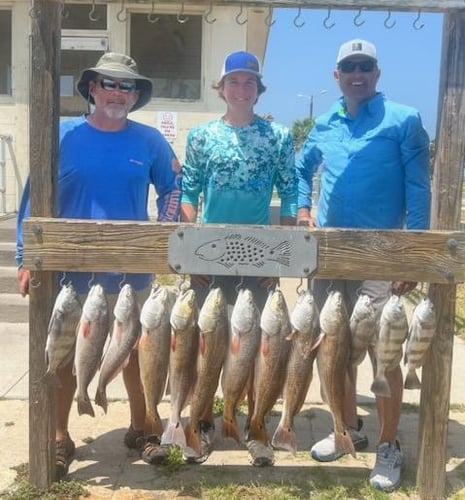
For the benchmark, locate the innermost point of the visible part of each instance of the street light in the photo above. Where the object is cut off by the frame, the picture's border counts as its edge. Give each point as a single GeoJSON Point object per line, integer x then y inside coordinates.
{"type": "Point", "coordinates": [310, 99]}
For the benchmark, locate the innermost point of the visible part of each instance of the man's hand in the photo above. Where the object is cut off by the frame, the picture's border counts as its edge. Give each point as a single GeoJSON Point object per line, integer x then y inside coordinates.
{"type": "Point", "coordinates": [304, 218]}
{"type": "Point", "coordinates": [24, 277]}
{"type": "Point", "coordinates": [402, 287]}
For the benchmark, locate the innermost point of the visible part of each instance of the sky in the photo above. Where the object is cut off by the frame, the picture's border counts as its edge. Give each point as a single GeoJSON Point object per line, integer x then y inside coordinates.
{"type": "Point", "coordinates": [302, 60]}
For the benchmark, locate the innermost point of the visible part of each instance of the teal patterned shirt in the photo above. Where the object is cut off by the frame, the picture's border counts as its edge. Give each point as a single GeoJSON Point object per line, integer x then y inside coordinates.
{"type": "Point", "coordinates": [236, 170]}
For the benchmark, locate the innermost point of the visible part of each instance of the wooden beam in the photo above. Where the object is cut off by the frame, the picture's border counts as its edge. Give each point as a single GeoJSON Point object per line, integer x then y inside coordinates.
{"type": "Point", "coordinates": [43, 140]}
{"type": "Point", "coordinates": [447, 195]}
{"type": "Point", "coordinates": [127, 246]}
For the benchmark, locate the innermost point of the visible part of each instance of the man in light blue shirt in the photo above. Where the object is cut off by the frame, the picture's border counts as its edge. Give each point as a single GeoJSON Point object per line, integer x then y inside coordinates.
{"type": "Point", "coordinates": [373, 157]}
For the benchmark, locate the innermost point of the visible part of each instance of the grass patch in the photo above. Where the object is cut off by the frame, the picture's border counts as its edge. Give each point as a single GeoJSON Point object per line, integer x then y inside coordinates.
{"type": "Point", "coordinates": [61, 490]}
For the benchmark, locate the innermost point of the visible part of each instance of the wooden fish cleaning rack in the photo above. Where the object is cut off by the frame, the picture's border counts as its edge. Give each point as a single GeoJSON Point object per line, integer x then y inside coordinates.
{"type": "Point", "coordinates": [435, 256]}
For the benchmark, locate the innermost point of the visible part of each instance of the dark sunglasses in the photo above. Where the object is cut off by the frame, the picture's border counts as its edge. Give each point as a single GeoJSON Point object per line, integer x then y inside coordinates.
{"type": "Point", "coordinates": [351, 66]}
{"type": "Point", "coordinates": [125, 87]}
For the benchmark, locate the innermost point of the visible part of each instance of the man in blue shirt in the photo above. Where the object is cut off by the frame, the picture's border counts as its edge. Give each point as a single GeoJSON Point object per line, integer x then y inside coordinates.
{"type": "Point", "coordinates": [373, 158]}
{"type": "Point", "coordinates": [107, 163]}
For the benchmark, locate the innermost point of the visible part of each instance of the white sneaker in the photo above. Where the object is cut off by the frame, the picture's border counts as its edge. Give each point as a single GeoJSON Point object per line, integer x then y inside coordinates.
{"type": "Point", "coordinates": [387, 470]}
{"type": "Point", "coordinates": [325, 450]}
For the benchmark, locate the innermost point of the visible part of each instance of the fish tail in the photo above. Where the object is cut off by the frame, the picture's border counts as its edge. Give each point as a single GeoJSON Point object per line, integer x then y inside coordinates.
{"type": "Point", "coordinates": [101, 398]}
{"type": "Point", "coordinates": [411, 380]}
{"type": "Point", "coordinates": [85, 406]}
{"type": "Point", "coordinates": [344, 443]}
{"type": "Point", "coordinates": [285, 439]}
{"type": "Point", "coordinates": [380, 386]}
{"type": "Point", "coordinates": [193, 437]}
{"type": "Point", "coordinates": [174, 434]}
{"type": "Point", "coordinates": [153, 424]}
{"type": "Point", "coordinates": [229, 428]}
{"type": "Point", "coordinates": [257, 431]}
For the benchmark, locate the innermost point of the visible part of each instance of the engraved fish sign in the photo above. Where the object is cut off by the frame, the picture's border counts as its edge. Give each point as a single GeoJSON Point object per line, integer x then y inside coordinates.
{"type": "Point", "coordinates": [236, 249]}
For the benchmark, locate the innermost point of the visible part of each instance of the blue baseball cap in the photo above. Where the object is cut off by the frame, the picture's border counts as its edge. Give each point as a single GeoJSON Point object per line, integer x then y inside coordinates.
{"type": "Point", "coordinates": [241, 61]}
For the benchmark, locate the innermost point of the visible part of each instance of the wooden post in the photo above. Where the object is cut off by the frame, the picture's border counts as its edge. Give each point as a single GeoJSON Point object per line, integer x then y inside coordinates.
{"type": "Point", "coordinates": [447, 184]}
{"type": "Point", "coordinates": [44, 116]}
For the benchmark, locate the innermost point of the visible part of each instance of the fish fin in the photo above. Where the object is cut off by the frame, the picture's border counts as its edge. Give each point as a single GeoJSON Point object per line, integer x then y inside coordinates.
{"type": "Point", "coordinates": [257, 431]}
{"type": "Point", "coordinates": [85, 406]}
{"type": "Point", "coordinates": [343, 443]}
{"type": "Point", "coordinates": [84, 328]}
{"type": "Point", "coordinates": [173, 340]}
{"type": "Point", "coordinates": [317, 341]}
{"type": "Point", "coordinates": [411, 380]}
{"type": "Point", "coordinates": [284, 439]}
{"type": "Point", "coordinates": [101, 398]}
{"type": "Point", "coordinates": [235, 343]}
{"type": "Point", "coordinates": [192, 433]}
{"type": "Point", "coordinates": [143, 339]}
{"type": "Point", "coordinates": [380, 386]}
{"type": "Point", "coordinates": [291, 335]}
{"type": "Point", "coordinates": [229, 428]}
{"type": "Point", "coordinates": [265, 345]}
{"type": "Point", "coordinates": [174, 434]}
{"type": "Point", "coordinates": [201, 344]}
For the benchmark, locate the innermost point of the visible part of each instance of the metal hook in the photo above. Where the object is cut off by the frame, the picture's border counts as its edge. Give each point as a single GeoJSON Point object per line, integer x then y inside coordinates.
{"type": "Point", "coordinates": [238, 286]}
{"type": "Point", "coordinates": [239, 15]}
{"type": "Point", "coordinates": [32, 11]}
{"type": "Point", "coordinates": [299, 286]}
{"type": "Point", "coordinates": [416, 22]}
{"type": "Point", "coordinates": [120, 13]}
{"type": "Point", "coordinates": [33, 282]}
{"type": "Point", "coordinates": [208, 14]}
{"type": "Point", "coordinates": [64, 10]}
{"type": "Point", "coordinates": [151, 18]}
{"type": "Point", "coordinates": [179, 17]}
{"type": "Point", "coordinates": [92, 278]}
{"type": "Point", "coordinates": [269, 18]}
{"type": "Point", "coordinates": [326, 20]}
{"type": "Point", "coordinates": [92, 15]}
{"type": "Point", "coordinates": [357, 17]}
{"type": "Point", "coordinates": [123, 279]}
{"type": "Point", "coordinates": [298, 24]}
{"type": "Point", "coordinates": [62, 281]}
{"type": "Point", "coordinates": [212, 283]}
{"type": "Point", "coordinates": [386, 21]}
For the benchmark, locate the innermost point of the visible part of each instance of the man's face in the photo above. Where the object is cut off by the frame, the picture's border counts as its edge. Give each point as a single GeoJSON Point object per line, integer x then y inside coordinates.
{"type": "Point", "coordinates": [357, 77]}
{"type": "Point", "coordinates": [240, 89]}
{"type": "Point", "coordinates": [114, 96]}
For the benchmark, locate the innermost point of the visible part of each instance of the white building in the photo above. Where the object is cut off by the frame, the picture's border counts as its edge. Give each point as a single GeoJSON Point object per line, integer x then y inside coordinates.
{"type": "Point", "coordinates": [181, 47]}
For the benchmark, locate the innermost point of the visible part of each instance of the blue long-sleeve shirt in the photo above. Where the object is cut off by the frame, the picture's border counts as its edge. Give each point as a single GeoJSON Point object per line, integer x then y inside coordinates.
{"type": "Point", "coordinates": [107, 175]}
{"type": "Point", "coordinates": [374, 167]}
{"type": "Point", "coordinates": [236, 169]}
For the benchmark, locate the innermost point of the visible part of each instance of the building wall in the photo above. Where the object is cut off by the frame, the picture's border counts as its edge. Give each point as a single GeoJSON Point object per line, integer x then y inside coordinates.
{"type": "Point", "coordinates": [219, 38]}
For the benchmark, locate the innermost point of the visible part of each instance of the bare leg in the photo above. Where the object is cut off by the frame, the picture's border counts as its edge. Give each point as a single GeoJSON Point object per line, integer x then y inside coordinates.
{"type": "Point", "coordinates": [64, 399]}
{"type": "Point", "coordinates": [131, 378]}
{"type": "Point", "coordinates": [389, 408]}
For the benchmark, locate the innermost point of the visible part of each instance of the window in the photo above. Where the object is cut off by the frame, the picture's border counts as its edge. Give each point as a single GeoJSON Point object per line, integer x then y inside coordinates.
{"type": "Point", "coordinates": [5, 52]}
{"type": "Point", "coordinates": [84, 39]}
{"type": "Point", "coordinates": [169, 52]}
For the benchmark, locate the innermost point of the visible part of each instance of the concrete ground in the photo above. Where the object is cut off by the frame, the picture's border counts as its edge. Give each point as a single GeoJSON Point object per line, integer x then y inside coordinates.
{"type": "Point", "coordinates": [110, 470]}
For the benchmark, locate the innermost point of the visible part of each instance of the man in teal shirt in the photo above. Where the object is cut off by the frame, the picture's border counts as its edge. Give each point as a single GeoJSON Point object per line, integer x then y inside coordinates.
{"type": "Point", "coordinates": [373, 157]}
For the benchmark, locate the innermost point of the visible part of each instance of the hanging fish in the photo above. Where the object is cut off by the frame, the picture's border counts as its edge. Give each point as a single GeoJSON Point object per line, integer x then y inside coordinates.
{"type": "Point", "coordinates": [393, 329]}
{"type": "Point", "coordinates": [421, 332]}
{"type": "Point", "coordinates": [61, 334]}
{"type": "Point", "coordinates": [362, 328]}
{"type": "Point", "coordinates": [305, 328]}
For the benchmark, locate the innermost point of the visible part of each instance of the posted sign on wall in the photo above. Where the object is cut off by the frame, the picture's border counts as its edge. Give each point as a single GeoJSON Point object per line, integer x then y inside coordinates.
{"type": "Point", "coordinates": [167, 123]}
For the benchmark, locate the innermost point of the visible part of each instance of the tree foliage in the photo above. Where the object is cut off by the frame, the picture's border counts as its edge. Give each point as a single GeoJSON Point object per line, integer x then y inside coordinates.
{"type": "Point", "coordinates": [300, 130]}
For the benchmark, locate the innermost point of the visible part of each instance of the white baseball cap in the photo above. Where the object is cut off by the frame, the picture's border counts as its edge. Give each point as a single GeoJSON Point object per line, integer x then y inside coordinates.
{"type": "Point", "coordinates": [356, 47]}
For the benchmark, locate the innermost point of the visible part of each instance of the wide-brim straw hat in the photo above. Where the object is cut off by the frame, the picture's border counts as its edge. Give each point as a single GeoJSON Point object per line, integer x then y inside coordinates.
{"type": "Point", "coordinates": [116, 65]}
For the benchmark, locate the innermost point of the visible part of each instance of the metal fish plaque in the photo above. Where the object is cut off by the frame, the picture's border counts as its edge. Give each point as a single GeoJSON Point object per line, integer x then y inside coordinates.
{"type": "Point", "coordinates": [270, 251]}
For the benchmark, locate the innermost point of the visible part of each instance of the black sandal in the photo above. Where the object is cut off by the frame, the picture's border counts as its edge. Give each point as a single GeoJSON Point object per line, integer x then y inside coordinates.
{"type": "Point", "coordinates": [134, 439]}
{"type": "Point", "coordinates": [64, 454]}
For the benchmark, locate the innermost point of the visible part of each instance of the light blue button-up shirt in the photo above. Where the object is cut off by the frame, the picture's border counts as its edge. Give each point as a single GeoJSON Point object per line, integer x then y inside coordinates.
{"type": "Point", "coordinates": [374, 167]}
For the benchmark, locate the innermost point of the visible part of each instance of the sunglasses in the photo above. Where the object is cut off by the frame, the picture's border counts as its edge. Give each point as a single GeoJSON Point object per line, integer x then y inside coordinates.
{"type": "Point", "coordinates": [124, 87]}
{"type": "Point", "coordinates": [351, 66]}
